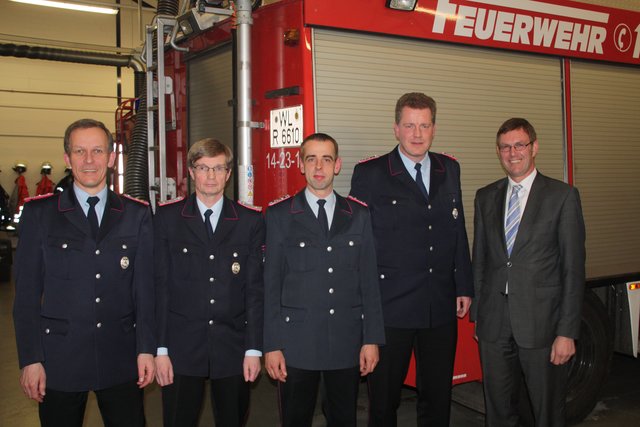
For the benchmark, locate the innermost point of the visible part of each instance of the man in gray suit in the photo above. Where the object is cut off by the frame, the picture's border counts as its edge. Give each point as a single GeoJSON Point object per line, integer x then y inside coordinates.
{"type": "Point", "coordinates": [528, 264]}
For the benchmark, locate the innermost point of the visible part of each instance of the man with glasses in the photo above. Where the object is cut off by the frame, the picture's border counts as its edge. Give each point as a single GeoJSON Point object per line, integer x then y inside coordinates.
{"type": "Point", "coordinates": [529, 274]}
{"type": "Point", "coordinates": [208, 253]}
{"type": "Point", "coordinates": [84, 305]}
{"type": "Point", "coordinates": [323, 318]}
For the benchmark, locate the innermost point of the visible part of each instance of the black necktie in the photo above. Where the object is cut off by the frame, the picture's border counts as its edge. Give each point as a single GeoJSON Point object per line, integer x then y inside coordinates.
{"type": "Point", "coordinates": [322, 217]}
{"type": "Point", "coordinates": [92, 216]}
{"type": "Point", "coordinates": [420, 182]}
{"type": "Point", "coordinates": [207, 223]}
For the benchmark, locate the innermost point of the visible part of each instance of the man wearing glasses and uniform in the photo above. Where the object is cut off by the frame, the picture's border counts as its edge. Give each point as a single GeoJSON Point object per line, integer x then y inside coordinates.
{"type": "Point", "coordinates": [209, 294]}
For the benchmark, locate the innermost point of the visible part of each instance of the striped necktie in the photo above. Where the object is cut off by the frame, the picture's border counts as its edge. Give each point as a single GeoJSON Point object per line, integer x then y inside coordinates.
{"type": "Point", "coordinates": [513, 218]}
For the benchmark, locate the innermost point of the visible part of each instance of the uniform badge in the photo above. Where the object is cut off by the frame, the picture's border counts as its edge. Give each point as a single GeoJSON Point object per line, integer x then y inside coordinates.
{"type": "Point", "coordinates": [235, 267]}
{"type": "Point", "coordinates": [454, 212]}
{"type": "Point", "coordinates": [124, 262]}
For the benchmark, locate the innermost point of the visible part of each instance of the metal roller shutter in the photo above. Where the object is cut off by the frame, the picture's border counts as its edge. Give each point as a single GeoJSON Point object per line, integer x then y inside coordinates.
{"type": "Point", "coordinates": [358, 78]}
{"type": "Point", "coordinates": [210, 87]}
{"type": "Point", "coordinates": [606, 123]}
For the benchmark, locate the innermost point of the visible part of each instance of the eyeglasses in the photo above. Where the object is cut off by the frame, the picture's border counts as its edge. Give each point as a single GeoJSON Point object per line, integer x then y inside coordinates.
{"type": "Point", "coordinates": [518, 147]}
{"type": "Point", "coordinates": [204, 169]}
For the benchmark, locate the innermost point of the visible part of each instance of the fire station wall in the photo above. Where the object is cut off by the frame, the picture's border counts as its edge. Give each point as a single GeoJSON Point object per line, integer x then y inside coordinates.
{"type": "Point", "coordinates": [210, 88]}
{"type": "Point", "coordinates": [358, 78]}
{"type": "Point", "coordinates": [606, 132]}
{"type": "Point", "coordinates": [39, 98]}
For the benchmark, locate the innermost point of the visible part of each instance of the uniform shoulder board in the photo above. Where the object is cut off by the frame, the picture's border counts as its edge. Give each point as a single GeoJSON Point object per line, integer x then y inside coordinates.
{"type": "Point", "coordinates": [281, 199]}
{"type": "Point", "coordinates": [451, 156]}
{"type": "Point", "coordinates": [248, 206]}
{"type": "Point", "coordinates": [144, 202]}
{"type": "Point", "coordinates": [42, 196]}
{"type": "Point", "coordinates": [350, 197]}
{"type": "Point", "coordinates": [172, 201]}
{"type": "Point", "coordinates": [367, 159]}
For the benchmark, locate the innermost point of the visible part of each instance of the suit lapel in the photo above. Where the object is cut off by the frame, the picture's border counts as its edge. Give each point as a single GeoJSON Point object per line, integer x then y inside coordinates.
{"type": "Point", "coordinates": [530, 212]}
{"type": "Point", "coordinates": [69, 206]}
{"type": "Point", "coordinates": [227, 221]}
{"type": "Point", "coordinates": [437, 176]}
{"type": "Point", "coordinates": [303, 215]}
{"type": "Point", "coordinates": [193, 219]}
{"type": "Point", "coordinates": [499, 200]}
{"type": "Point", "coordinates": [341, 216]}
{"type": "Point", "coordinates": [399, 172]}
{"type": "Point", "coordinates": [113, 211]}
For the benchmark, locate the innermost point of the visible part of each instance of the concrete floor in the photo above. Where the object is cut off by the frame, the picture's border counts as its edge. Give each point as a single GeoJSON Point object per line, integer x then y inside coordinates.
{"type": "Point", "coordinates": [618, 406]}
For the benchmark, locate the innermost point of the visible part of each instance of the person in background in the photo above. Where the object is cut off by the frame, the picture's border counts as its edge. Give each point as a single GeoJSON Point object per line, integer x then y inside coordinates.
{"type": "Point", "coordinates": [423, 263]}
{"type": "Point", "coordinates": [84, 309]}
{"type": "Point", "coordinates": [45, 185]}
{"type": "Point", "coordinates": [65, 182]}
{"type": "Point", "coordinates": [529, 269]}
{"type": "Point", "coordinates": [208, 253]}
{"type": "Point", "coordinates": [323, 318]}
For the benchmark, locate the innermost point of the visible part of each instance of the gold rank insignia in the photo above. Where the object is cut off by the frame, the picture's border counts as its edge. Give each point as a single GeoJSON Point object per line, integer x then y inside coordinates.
{"type": "Point", "coordinates": [124, 262]}
{"type": "Point", "coordinates": [235, 267]}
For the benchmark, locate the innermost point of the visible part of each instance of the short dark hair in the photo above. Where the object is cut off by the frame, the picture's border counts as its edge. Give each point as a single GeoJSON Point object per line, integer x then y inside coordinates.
{"type": "Point", "coordinates": [319, 136]}
{"type": "Point", "coordinates": [86, 124]}
{"type": "Point", "coordinates": [516, 123]}
{"type": "Point", "coordinates": [417, 101]}
{"type": "Point", "coordinates": [209, 147]}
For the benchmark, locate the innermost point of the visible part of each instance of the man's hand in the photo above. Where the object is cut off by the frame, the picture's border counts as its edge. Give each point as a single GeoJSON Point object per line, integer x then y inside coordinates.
{"type": "Point", "coordinates": [562, 350]}
{"type": "Point", "coordinates": [33, 381]}
{"type": "Point", "coordinates": [146, 369]}
{"type": "Point", "coordinates": [251, 368]}
{"type": "Point", "coordinates": [462, 306]}
{"type": "Point", "coordinates": [369, 358]}
{"type": "Point", "coordinates": [276, 368]}
{"type": "Point", "coordinates": [164, 371]}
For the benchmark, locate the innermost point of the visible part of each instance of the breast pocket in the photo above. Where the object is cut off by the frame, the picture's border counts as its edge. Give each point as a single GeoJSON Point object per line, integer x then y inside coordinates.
{"type": "Point", "coordinates": [62, 254]}
{"type": "Point", "coordinates": [347, 249]}
{"type": "Point", "coordinates": [391, 212]}
{"type": "Point", "coordinates": [123, 249]}
{"type": "Point", "coordinates": [300, 253]}
{"type": "Point", "coordinates": [454, 208]}
{"type": "Point", "coordinates": [184, 259]}
{"type": "Point", "coordinates": [233, 259]}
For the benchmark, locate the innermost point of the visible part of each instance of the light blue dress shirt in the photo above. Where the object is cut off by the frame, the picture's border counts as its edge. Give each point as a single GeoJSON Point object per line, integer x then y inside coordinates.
{"type": "Point", "coordinates": [82, 197]}
{"type": "Point", "coordinates": [329, 207]}
{"type": "Point", "coordinates": [410, 165]}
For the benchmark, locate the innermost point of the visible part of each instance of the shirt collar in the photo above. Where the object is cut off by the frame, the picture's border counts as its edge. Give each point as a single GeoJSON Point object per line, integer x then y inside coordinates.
{"type": "Point", "coordinates": [312, 200]}
{"type": "Point", "coordinates": [216, 208]}
{"type": "Point", "coordinates": [82, 197]}
{"type": "Point", "coordinates": [526, 183]}
{"type": "Point", "coordinates": [410, 164]}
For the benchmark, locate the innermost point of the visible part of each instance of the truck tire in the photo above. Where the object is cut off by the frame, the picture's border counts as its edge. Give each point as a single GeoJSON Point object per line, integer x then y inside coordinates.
{"type": "Point", "coordinates": [589, 367]}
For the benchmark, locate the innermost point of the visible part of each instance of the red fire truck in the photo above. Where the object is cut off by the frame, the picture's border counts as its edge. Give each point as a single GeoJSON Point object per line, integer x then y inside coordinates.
{"type": "Point", "coordinates": [262, 79]}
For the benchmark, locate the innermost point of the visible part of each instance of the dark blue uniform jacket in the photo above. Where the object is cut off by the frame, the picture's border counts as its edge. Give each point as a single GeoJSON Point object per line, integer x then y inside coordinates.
{"type": "Point", "coordinates": [84, 308]}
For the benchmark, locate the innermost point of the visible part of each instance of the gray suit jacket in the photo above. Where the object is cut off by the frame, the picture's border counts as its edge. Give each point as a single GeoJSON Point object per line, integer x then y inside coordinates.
{"type": "Point", "coordinates": [546, 270]}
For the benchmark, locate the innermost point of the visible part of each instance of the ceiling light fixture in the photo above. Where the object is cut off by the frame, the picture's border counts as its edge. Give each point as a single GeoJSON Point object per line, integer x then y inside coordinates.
{"type": "Point", "coordinates": [70, 6]}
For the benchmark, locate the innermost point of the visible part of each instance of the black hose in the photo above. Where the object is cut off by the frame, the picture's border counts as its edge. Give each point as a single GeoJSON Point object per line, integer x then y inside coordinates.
{"type": "Point", "coordinates": [136, 176]}
{"type": "Point", "coordinates": [69, 55]}
{"type": "Point", "coordinates": [168, 7]}
{"type": "Point", "coordinates": [136, 173]}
